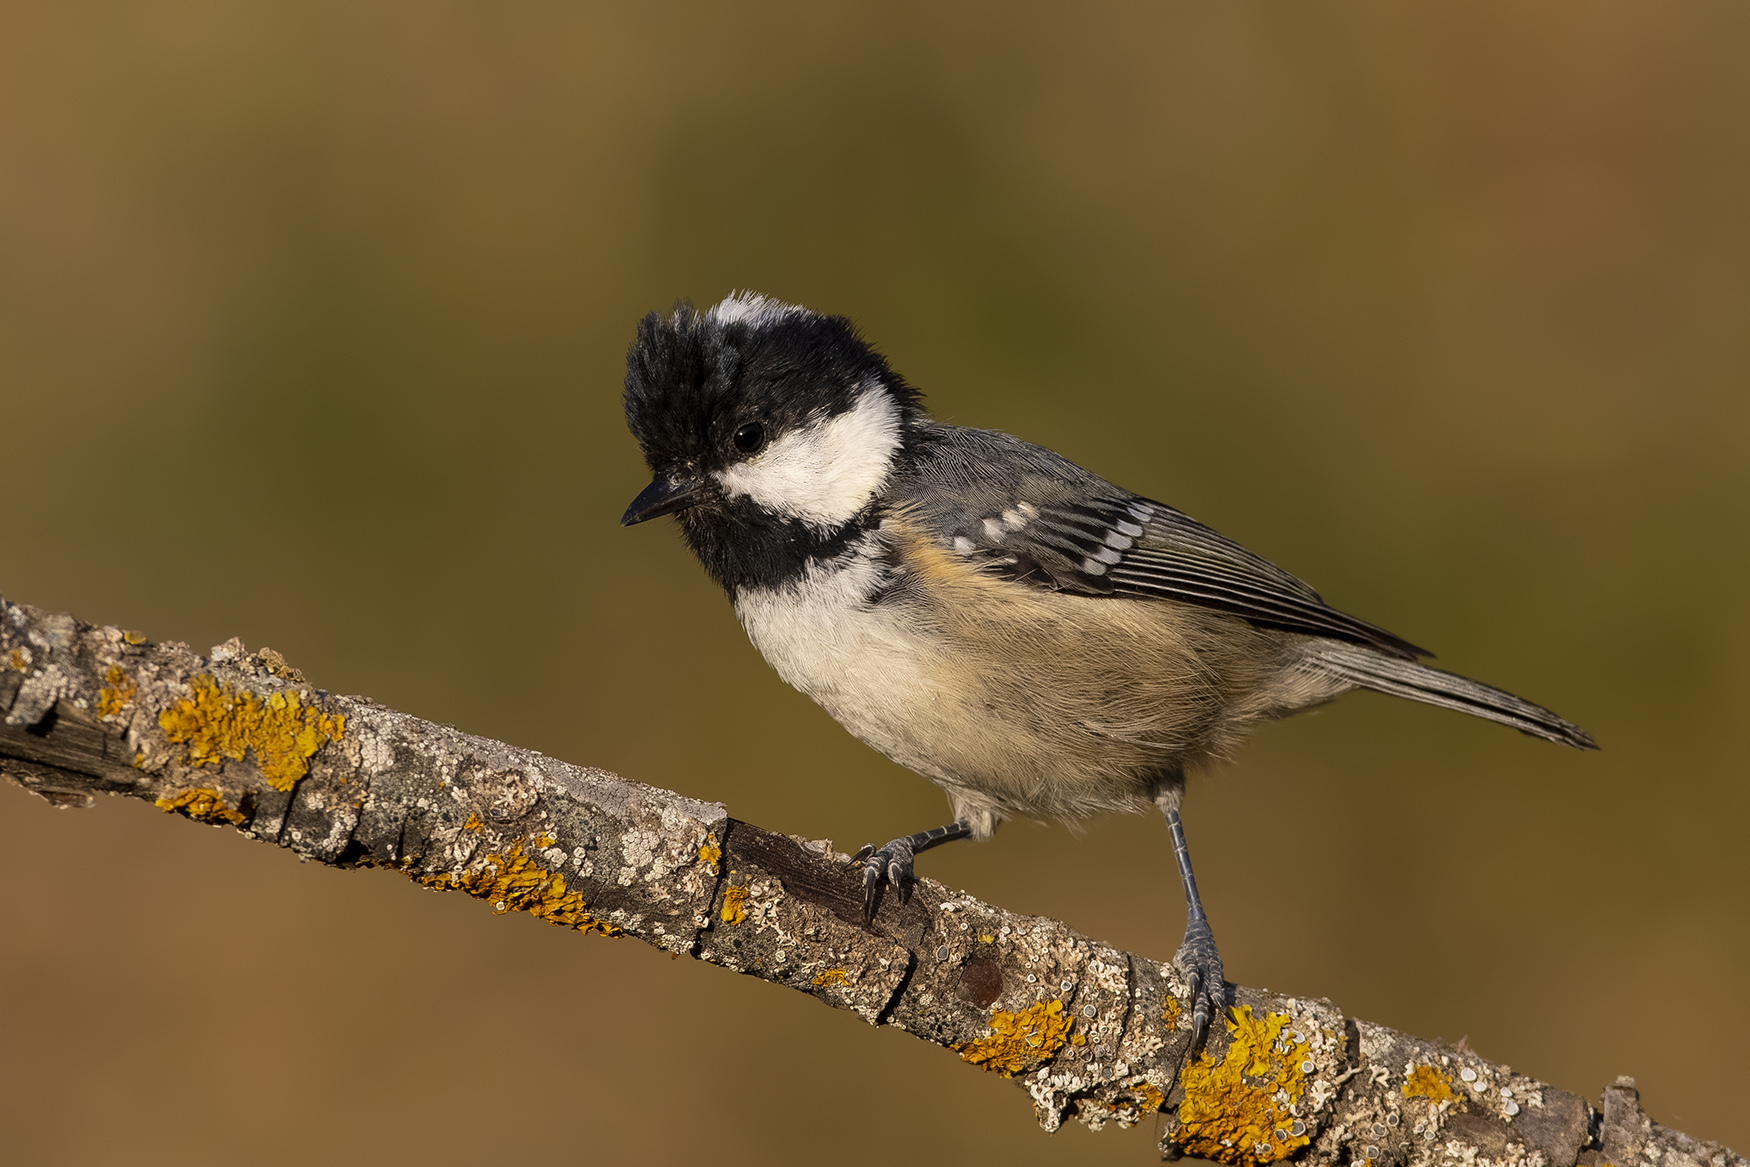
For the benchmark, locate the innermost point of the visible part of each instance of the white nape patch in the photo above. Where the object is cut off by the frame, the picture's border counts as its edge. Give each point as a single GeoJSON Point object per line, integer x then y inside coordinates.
{"type": "Point", "coordinates": [827, 471]}
{"type": "Point", "coordinates": [751, 308]}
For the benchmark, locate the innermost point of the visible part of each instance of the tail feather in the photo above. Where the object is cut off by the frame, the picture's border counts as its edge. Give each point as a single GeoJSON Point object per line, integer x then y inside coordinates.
{"type": "Point", "coordinates": [1402, 678]}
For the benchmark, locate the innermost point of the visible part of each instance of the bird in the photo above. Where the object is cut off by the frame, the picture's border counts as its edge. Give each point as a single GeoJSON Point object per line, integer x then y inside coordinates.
{"type": "Point", "coordinates": [1034, 639]}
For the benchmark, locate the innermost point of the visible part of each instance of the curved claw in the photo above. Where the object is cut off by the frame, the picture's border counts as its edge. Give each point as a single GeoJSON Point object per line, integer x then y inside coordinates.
{"type": "Point", "coordinates": [1206, 990]}
{"type": "Point", "coordinates": [873, 866]}
{"type": "Point", "coordinates": [892, 861]}
{"type": "Point", "coordinates": [1199, 1015]}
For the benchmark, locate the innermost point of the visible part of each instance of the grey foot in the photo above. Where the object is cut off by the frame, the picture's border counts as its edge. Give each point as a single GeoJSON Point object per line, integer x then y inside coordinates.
{"type": "Point", "coordinates": [890, 860]}
{"type": "Point", "coordinates": [1200, 964]}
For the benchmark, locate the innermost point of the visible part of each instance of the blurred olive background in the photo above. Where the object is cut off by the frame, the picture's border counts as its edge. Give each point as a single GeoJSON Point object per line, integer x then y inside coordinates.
{"type": "Point", "coordinates": [312, 326]}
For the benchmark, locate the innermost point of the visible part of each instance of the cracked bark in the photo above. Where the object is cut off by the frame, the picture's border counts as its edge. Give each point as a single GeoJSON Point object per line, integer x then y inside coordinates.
{"type": "Point", "coordinates": [1091, 1033]}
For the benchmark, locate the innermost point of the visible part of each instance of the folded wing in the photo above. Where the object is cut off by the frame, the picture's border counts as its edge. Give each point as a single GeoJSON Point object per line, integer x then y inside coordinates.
{"type": "Point", "coordinates": [1040, 519]}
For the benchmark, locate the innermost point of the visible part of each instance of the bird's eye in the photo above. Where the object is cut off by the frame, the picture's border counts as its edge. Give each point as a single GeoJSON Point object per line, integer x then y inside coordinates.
{"type": "Point", "coordinates": [750, 437]}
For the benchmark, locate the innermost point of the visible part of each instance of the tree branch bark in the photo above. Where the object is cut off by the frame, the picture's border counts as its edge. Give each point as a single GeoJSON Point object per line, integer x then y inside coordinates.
{"type": "Point", "coordinates": [1090, 1032]}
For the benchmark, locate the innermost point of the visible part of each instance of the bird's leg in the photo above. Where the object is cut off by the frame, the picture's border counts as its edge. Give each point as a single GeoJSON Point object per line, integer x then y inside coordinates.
{"type": "Point", "coordinates": [1197, 958]}
{"type": "Point", "coordinates": [893, 860]}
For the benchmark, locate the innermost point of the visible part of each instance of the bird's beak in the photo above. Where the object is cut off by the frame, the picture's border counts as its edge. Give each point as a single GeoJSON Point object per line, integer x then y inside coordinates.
{"type": "Point", "coordinates": [664, 496]}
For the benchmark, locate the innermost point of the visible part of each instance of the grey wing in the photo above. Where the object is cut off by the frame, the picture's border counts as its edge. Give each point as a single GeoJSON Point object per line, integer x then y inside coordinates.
{"type": "Point", "coordinates": [1039, 518]}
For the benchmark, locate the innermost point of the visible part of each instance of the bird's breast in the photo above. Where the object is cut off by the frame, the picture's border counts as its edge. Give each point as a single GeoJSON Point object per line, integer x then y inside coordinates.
{"type": "Point", "coordinates": [862, 661]}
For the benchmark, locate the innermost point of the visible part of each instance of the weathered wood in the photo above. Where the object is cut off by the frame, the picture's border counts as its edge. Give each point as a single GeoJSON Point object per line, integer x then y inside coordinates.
{"type": "Point", "coordinates": [1091, 1032]}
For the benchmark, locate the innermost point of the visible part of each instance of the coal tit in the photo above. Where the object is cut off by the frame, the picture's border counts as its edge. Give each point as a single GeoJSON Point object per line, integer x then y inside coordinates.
{"type": "Point", "coordinates": [1030, 637]}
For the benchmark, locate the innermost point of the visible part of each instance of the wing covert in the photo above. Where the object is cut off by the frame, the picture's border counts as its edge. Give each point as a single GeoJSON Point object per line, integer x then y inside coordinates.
{"type": "Point", "coordinates": [1121, 544]}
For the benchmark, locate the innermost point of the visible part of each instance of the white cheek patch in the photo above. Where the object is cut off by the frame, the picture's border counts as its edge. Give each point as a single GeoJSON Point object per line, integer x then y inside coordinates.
{"type": "Point", "coordinates": [825, 472]}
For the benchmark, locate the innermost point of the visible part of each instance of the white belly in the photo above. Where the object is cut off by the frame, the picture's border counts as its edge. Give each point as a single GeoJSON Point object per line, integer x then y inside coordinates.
{"type": "Point", "coordinates": [876, 677]}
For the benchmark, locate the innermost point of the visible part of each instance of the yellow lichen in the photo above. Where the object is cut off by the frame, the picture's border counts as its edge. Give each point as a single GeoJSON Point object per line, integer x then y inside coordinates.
{"type": "Point", "coordinates": [1152, 1099]}
{"type": "Point", "coordinates": [114, 697]}
{"type": "Point", "coordinates": [1019, 1041]}
{"type": "Point", "coordinates": [513, 882]}
{"type": "Point", "coordinates": [220, 721]}
{"type": "Point", "coordinates": [473, 823]}
{"type": "Point", "coordinates": [734, 905]}
{"type": "Point", "coordinates": [833, 976]}
{"type": "Point", "coordinates": [1427, 1082]}
{"type": "Point", "coordinates": [18, 659]}
{"type": "Point", "coordinates": [1170, 1010]}
{"type": "Point", "coordinates": [710, 852]}
{"type": "Point", "coordinates": [544, 840]}
{"type": "Point", "coordinates": [206, 805]}
{"type": "Point", "coordinates": [1231, 1112]}
{"type": "Point", "coordinates": [132, 637]}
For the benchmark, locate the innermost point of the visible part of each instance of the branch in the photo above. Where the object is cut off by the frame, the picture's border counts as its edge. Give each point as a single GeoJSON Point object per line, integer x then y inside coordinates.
{"type": "Point", "coordinates": [1090, 1032]}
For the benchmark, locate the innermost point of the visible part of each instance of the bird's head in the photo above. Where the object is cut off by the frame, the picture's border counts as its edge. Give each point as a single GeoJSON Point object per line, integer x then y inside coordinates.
{"type": "Point", "coordinates": [758, 412]}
